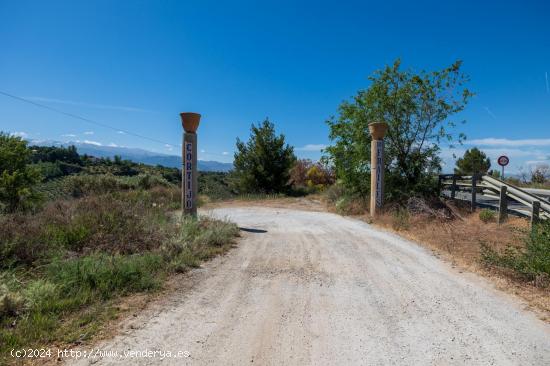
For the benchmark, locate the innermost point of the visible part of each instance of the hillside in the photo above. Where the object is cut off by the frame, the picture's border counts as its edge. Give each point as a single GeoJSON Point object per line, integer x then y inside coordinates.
{"type": "Point", "coordinates": [136, 155]}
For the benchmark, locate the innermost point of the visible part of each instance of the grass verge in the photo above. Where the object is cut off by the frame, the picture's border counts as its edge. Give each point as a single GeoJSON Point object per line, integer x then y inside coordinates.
{"type": "Point", "coordinates": [530, 261]}
{"type": "Point", "coordinates": [63, 269]}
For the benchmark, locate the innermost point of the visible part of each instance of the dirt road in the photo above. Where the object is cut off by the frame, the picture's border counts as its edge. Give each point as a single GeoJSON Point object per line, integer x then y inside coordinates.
{"type": "Point", "coordinates": [311, 288]}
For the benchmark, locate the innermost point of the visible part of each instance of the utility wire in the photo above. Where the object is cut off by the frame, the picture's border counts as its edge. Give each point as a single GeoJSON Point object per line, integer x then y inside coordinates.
{"type": "Point", "coordinates": [92, 121]}
{"type": "Point", "coordinates": [84, 118]}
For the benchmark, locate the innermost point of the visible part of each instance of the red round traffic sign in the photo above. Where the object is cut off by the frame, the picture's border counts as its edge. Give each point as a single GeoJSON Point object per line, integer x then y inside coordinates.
{"type": "Point", "coordinates": [503, 160]}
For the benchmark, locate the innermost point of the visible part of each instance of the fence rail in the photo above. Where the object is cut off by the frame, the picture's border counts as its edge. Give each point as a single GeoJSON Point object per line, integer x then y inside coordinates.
{"type": "Point", "coordinates": [485, 185]}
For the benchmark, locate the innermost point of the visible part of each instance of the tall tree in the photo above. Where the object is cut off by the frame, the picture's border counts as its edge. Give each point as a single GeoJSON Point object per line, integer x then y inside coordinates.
{"type": "Point", "coordinates": [263, 163]}
{"type": "Point", "coordinates": [17, 177]}
{"type": "Point", "coordinates": [540, 174]}
{"type": "Point", "coordinates": [474, 161]}
{"type": "Point", "coordinates": [418, 108]}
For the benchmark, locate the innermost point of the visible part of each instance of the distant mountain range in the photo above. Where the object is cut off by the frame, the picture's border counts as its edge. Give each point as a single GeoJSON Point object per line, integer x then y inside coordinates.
{"type": "Point", "coordinates": [135, 155]}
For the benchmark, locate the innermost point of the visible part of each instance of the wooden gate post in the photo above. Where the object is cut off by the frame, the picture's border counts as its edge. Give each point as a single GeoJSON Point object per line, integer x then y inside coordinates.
{"type": "Point", "coordinates": [474, 194]}
{"type": "Point", "coordinates": [535, 214]}
{"type": "Point", "coordinates": [503, 205]}
{"type": "Point", "coordinates": [453, 187]}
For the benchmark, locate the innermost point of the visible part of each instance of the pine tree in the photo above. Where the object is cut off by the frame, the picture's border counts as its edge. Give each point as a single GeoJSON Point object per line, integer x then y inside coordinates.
{"type": "Point", "coordinates": [263, 163]}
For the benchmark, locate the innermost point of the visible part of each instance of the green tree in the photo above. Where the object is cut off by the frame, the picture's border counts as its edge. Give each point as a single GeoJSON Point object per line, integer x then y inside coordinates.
{"type": "Point", "coordinates": [17, 178]}
{"type": "Point", "coordinates": [55, 154]}
{"type": "Point", "coordinates": [540, 174]}
{"type": "Point", "coordinates": [495, 174]}
{"type": "Point", "coordinates": [474, 161]}
{"type": "Point", "coordinates": [263, 163]}
{"type": "Point", "coordinates": [417, 108]}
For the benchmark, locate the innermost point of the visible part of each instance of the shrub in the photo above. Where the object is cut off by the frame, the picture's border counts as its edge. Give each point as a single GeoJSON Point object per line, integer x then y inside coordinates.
{"type": "Point", "coordinates": [215, 233]}
{"type": "Point", "coordinates": [199, 239]}
{"type": "Point", "coordinates": [146, 181]}
{"type": "Point", "coordinates": [120, 222]}
{"type": "Point", "coordinates": [351, 205]}
{"type": "Point", "coordinates": [10, 302]}
{"type": "Point", "coordinates": [540, 174]}
{"type": "Point", "coordinates": [215, 185]}
{"type": "Point", "coordinates": [400, 219]}
{"type": "Point", "coordinates": [486, 215]}
{"type": "Point", "coordinates": [531, 261]}
{"type": "Point", "coordinates": [41, 295]}
{"type": "Point", "coordinates": [84, 185]}
{"type": "Point", "coordinates": [335, 192]}
{"type": "Point", "coordinates": [22, 239]}
{"type": "Point", "coordinates": [63, 263]}
{"type": "Point", "coordinates": [17, 177]}
{"type": "Point", "coordinates": [345, 201]}
{"type": "Point", "coordinates": [49, 170]}
{"type": "Point", "coordinates": [105, 275]}
{"type": "Point", "coordinates": [87, 184]}
{"type": "Point", "coordinates": [310, 175]}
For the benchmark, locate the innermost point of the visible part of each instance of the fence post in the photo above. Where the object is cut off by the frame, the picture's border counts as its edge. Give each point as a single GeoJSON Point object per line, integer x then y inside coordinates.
{"type": "Point", "coordinates": [474, 193]}
{"type": "Point", "coordinates": [453, 187]}
{"type": "Point", "coordinates": [503, 205]}
{"type": "Point", "coordinates": [535, 214]}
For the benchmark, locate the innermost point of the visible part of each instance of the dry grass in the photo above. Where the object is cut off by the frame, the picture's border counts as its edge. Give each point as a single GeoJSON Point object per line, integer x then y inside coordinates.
{"type": "Point", "coordinates": [459, 238]}
{"type": "Point", "coordinates": [310, 203]}
{"type": "Point", "coordinates": [459, 242]}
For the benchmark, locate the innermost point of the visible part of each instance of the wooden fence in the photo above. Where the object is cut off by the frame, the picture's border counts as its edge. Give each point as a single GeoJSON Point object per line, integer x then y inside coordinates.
{"type": "Point", "coordinates": [491, 187]}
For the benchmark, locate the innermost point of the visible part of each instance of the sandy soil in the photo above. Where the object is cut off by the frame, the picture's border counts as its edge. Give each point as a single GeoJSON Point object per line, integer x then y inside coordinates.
{"type": "Point", "coordinates": [313, 288]}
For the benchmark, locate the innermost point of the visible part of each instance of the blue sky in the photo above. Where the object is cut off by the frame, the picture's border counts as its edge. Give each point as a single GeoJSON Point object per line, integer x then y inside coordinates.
{"type": "Point", "coordinates": [135, 65]}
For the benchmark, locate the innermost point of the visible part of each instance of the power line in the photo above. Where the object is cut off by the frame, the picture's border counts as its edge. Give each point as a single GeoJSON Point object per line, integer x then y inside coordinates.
{"type": "Point", "coordinates": [84, 119]}
{"type": "Point", "coordinates": [88, 120]}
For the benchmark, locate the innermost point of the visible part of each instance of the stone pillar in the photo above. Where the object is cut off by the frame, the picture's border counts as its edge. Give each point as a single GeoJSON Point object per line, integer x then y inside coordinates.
{"type": "Point", "coordinates": [189, 190]}
{"type": "Point", "coordinates": [377, 131]}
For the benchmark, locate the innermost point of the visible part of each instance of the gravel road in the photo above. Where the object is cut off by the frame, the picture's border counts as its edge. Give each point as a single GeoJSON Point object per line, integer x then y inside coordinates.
{"type": "Point", "coordinates": [312, 288]}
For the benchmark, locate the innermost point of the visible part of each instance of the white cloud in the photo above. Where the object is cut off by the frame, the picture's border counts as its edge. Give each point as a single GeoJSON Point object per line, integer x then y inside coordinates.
{"type": "Point", "coordinates": [68, 135]}
{"type": "Point", "coordinates": [121, 132]}
{"type": "Point", "coordinates": [90, 105]}
{"type": "Point", "coordinates": [168, 147]}
{"type": "Point", "coordinates": [203, 151]}
{"type": "Point", "coordinates": [492, 141]}
{"type": "Point", "coordinates": [536, 162]}
{"type": "Point", "coordinates": [493, 153]}
{"type": "Point", "coordinates": [225, 153]}
{"type": "Point", "coordinates": [517, 153]}
{"type": "Point", "coordinates": [20, 134]}
{"type": "Point", "coordinates": [89, 132]}
{"type": "Point", "coordinates": [112, 144]}
{"type": "Point", "coordinates": [312, 147]}
{"type": "Point", "coordinates": [92, 142]}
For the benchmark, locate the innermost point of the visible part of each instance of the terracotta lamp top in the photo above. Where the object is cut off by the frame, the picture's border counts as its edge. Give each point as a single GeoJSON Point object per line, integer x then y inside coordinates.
{"type": "Point", "coordinates": [190, 121]}
{"type": "Point", "coordinates": [378, 130]}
